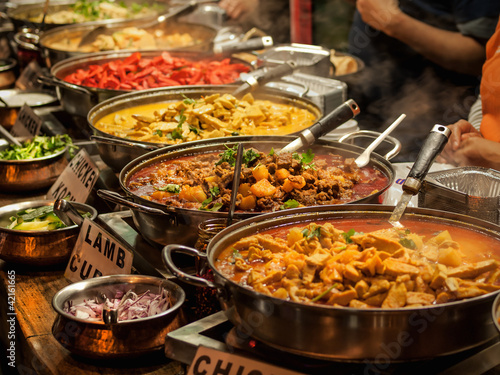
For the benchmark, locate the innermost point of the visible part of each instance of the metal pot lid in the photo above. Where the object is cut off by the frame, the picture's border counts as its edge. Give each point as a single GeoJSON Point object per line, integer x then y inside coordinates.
{"type": "Point", "coordinates": [15, 98]}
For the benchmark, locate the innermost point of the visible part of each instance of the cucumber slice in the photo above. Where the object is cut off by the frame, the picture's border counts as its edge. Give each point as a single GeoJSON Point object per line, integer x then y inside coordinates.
{"type": "Point", "coordinates": [32, 225]}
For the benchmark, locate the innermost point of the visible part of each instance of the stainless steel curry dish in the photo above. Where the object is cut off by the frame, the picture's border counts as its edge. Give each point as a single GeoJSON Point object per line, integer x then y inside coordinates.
{"type": "Point", "coordinates": [339, 331]}
{"type": "Point", "coordinates": [83, 11]}
{"type": "Point", "coordinates": [269, 181]}
{"type": "Point", "coordinates": [366, 264]}
{"type": "Point", "coordinates": [199, 117]}
{"type": "Point", "coordinates": [127, 36]}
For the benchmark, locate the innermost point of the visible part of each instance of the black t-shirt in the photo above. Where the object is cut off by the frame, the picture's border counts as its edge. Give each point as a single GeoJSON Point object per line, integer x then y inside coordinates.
{"type": "Point", "coordinates": [397, 79]}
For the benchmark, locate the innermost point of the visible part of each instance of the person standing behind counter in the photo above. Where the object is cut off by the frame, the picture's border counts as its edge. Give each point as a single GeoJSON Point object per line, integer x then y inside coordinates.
{"type": "Point", "coordinates": [423, 58]}
{"type": "Point", "coordinates": [272, 17]}
{"type": "Point", "coordinates": [468, 146]}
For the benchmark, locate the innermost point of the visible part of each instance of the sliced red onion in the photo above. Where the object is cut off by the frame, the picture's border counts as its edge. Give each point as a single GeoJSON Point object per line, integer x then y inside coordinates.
{"type": "Point", "coordinates": [133, 307]}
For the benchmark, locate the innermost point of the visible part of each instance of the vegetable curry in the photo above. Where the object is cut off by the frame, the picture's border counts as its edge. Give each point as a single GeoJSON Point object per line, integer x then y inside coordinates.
{"type": "Point", "coordinates": [365, 263]}
{"type": "Point", "coordinates": [209, 117]}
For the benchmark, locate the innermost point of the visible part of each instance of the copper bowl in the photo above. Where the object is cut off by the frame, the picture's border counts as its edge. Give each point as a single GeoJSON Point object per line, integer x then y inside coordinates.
{"type": "Point", "coordinates": [31, 174]}
{"type": "Point", "coordinates": [37, 248]}
{"type": "Point", "coordinates": [123, 339]}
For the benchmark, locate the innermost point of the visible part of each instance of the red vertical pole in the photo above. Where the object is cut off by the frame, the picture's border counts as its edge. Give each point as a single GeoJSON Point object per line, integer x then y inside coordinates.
{"type": "Point", "coordinates": [301, 21]}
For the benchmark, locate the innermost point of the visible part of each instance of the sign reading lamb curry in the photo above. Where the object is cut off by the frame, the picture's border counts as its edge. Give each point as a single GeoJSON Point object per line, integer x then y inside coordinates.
{"type": "Point", "coordinates": [269, 181]}
{"type": "Point", "coordinates": [211, 116]}
{"type": "Point", "coordinates": [365, 263]}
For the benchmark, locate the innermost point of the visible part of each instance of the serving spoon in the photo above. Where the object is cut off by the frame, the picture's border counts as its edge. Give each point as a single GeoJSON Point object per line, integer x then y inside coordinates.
{"type": "Point", "coordinates": [363, 159]}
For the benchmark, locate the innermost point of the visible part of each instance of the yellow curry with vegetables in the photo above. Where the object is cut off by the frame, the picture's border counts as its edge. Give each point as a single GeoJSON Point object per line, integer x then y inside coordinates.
{"type": "Point", "coordinates": [213, 116]}
{"type": "Point", "coordinates": [367, 266]}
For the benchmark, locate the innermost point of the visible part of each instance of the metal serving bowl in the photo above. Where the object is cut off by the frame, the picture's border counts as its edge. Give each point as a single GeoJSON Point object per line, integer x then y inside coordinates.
{"type": "Point", "coordinates": [37, 248]}
{"type": "Point", "coordinates": [31, 174]}
{"type": "Point", "coordinates": [496, 312]}
{"type": "Point", "coordinates": [122, 339]}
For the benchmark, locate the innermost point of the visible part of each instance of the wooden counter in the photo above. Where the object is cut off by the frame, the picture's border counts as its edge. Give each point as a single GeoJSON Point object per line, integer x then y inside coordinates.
{"type": "Point", "coordinates": [36, 349]}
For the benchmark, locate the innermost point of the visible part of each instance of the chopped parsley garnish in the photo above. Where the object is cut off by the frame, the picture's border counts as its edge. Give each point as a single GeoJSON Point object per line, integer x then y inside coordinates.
{"type": "Point", "coordinates": [305, 159]}
{"type": "Point", "coordinates": [228, 156]}
{"type": "Point", "coordinates": [158, 132]}
{"type": "Point", "coordinates": [271, 153]}
{"type": "Point", "coordinates": [249, 156]}
{"type": "Point", "coordinates": [291, 203]}
{"type": "Point", "coordinates": [204, 205]}
{"type": "Point", "coordinates": [215, 191]}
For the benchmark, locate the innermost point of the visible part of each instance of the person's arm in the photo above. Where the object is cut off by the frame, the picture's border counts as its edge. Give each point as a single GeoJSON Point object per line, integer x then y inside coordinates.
{"type": "Point", "coordinates": [451, 50]}
{"type": "Point", "coordinates": [237, 9]}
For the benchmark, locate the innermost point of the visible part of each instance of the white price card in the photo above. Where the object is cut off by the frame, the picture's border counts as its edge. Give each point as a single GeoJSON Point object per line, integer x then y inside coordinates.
{"type": "Point", "coordinates": [28, 123]}
{"type": "Point", "coordinates": [77, 180]}
{"type": "Point", "coordinates": [97, 253]}
{"type": "Point", "coordinates": [209, 361]}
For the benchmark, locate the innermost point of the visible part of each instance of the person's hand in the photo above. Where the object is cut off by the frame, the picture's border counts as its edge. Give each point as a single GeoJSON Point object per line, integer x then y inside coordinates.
{"type": "Point", "coordinates": [379, 14]}
{"type": "Point", "coordinates": [478, 151]}
{"type": "Point", "coordinates": [238, 8]}
{"type": "Point", "coordinates": [460, 131]}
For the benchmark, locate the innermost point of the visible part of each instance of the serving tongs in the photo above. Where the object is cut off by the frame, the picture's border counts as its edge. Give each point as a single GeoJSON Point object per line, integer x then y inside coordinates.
{"type": "Point", "coordinates": [432, 147]}
{"type": "Point", "coordinates": [331, 121]}
{"type": "Point", "coordinates": [68, 214]}
{"type": "Point", "coordinates": [9, 137]}
{"type": "Point", "coordinates": [251, 81]}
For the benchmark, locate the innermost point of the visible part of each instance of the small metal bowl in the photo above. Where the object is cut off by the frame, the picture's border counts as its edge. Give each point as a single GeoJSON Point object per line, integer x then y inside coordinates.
{"type": "Point", "coordinates": [32, 174]}
{"type": "Point", "coordinates": [495, 311]}
{"type": "Point", "coordinates": [123, 339]}
{"type": "Point", "coordinates": [37, 248]}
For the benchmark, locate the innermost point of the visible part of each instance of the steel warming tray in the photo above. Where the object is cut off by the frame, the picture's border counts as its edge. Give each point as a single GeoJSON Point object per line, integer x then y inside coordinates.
{"type": "Point", "coordinates": [473, 191]}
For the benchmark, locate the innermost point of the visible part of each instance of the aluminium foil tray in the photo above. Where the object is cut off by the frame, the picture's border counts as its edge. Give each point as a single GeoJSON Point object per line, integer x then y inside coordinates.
{"type": "Point", "coordinates": [472, 191]}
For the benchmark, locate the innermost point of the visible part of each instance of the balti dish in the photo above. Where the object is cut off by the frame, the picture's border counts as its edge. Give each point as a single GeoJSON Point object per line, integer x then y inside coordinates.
{"type": "Point", "coordinates": [126, 38]}
{"type": "Point", "coordinates": [208, 117]}
{"type": "Point", "coordinates": [269, 181]}
{"type": "Point", "coordinates": [385, 268]}
{"type": "Point", "coordinates": [87, 11]}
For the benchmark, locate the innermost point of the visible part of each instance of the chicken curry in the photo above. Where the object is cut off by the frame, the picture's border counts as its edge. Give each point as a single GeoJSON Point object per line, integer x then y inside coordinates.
{"type": "Point", "coordinates": [365, 264]}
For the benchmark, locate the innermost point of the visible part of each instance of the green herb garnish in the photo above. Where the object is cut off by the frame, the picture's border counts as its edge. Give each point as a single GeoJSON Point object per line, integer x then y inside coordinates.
{"type": "Point", "coordinates": [215, 191]}
{"type": "Point", "coordinates": [204, 205]}
{"type": "Point", "coordinates": [408, 243]}
{"type": "Point", "coordinates": [249, 156]}
{"type": "Point", "coordinates": [305, 159]}
{"type": "Point", "coordinates": [291, 203]}
{"type": "Point", "coordinates": [347, 235]}
{"type": "Point", "coordinates": [171, 188]}
{"type": "Point", "coordinates": [228, 156]}
{"type": "Point", "coordinates": [315, 231]}
{"type": "Point", "coordinates": [319, 296]}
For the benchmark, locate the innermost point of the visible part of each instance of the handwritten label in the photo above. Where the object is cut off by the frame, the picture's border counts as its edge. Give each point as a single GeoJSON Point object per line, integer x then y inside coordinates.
{"type": "Point", "coordinates": [77, 180]}
{"type": "Point", "coordinates": [28, 78]}
{"type": "Point", "coordinates": [28, 123]}
{"type": "Point", "coordinates": [209, 361]}
{"type": "Point", "coordinates": [97, 253]}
